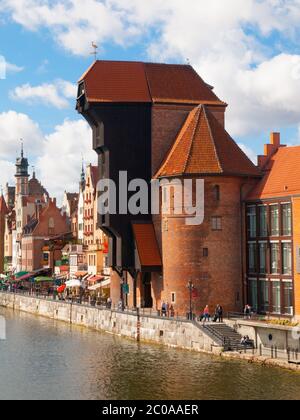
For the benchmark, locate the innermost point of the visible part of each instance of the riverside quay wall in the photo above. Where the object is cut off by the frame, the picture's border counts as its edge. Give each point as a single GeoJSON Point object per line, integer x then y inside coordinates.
{"type": "Point", "coordinates": [173, 333]}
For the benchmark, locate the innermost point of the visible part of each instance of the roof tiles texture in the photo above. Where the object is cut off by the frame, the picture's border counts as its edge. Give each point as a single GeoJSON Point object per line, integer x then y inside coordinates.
{"type": "Point", "coordinates": [282, 178]}
{"type": "Point", "coordinates": [204, 147]}
{"type": "Point", "coordinates": [123, 81]}
{"type": "Point", "coordinates": [147, 245]}
{"type": "Point", "coordinates": [3, 206]}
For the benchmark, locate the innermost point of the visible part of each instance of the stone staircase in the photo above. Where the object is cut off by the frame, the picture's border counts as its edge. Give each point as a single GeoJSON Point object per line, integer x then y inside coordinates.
{"type": "Point", "coordinates": [224, 335]}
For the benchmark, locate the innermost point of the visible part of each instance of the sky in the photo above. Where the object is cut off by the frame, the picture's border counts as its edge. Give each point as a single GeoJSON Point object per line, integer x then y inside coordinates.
{"type": "Point", "coordinates": [249, 50]}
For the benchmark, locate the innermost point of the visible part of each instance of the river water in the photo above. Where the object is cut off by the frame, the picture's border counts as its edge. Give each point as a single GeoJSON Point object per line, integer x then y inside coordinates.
{"type": "Point", "coordinates": [45, 359]}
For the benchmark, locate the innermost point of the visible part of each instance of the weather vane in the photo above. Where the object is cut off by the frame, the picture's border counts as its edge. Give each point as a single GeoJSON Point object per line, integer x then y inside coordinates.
{"type": "Point", "coordinates": [95, 52]}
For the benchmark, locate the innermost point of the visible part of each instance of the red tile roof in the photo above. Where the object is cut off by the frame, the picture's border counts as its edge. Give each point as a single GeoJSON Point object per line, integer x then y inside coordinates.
{"type": "Point", "coordinates": [95, 175]}
{"type": "Point", "coordinates": [282, 177]}
{"type": "Point", "coordinates": [204, 147]}
{"type": "Point", "coordinates": [3, 206]}
{"type": "Point", "coordinates": [123, 81]}
{"type": "Point", "coordinates": [147, 245]}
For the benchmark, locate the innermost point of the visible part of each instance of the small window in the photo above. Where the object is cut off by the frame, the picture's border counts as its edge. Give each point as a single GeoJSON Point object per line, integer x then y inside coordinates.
{"type": "Point", "coordinates": [216, 223]}
{"type": "Point", "coordinates": [173, 298]}
{"type": "Point", "coordinates": [216, 193]}
{"type": "Point", "coordinates": [205, 252]}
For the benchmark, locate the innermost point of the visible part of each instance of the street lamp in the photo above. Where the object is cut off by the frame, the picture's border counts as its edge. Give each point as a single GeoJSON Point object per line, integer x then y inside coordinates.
{"type": "Point", "coordinates": [191, 287]}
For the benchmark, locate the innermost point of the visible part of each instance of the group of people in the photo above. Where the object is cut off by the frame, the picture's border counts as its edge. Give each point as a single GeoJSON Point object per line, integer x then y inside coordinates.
{"type": "Point", "coordinates": [218, 315]}
{"type": "Point", "coordinates": [167, 310]}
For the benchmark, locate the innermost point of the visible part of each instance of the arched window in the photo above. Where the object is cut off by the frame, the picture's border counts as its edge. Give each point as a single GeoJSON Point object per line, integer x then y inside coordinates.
{"type": "Point", "coordinates": [217, 193]}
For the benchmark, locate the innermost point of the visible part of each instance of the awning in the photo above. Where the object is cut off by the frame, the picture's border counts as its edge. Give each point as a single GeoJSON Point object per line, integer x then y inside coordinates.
{"type": "Point", "coordinates": [73, 283]}
{"type": "Point", "coordinates": [102, 285]}
{"type": "Point", "coordinates": [105, 283]}
{"type": "Point", "coordinates": [20, 274]}
{"type": "Point", "coordinates": [43, 279]}
{"type": "Point", "coordinates": [147, 246]}
{"type": "Point", "coordinates": [26, 277]}
{"type": "Point", "coordinates": [81, 273]}
{"type": "Point", "coordinates": [95, 279]}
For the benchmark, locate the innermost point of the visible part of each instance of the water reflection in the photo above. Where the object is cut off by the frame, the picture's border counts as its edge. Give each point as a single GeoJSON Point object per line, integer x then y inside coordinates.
{"type": "Point", "coordinates": [44, 359]}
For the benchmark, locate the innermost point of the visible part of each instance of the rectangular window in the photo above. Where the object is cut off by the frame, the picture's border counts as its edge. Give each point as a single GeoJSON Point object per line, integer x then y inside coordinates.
{"type": "Point", "coordinates": [251, 218]}
{"type": "Point", "coordinates": [216, 223]}
{"type": "Point", "coordinates": [263, 258]}
{"type": "Point", "coordinates": [264, 296]}
{"type": "Point", "coordinates": [205, 252]}
{"type": "Point", "coordinates": [275, 258]}
{"type": "Point", "coordinates": [253, 294]}
{"type": "Point", "coordinates": [287, 258]}
{"type": "Point", "coordinates": [274, 210]}
{"type": "Point", "coordinates": [276, 297]}
{"type": "Point", "coordinates": [173, 298]}
{"type": "Point", "coordinates": [252, 268]}
{"type": "Point", "coordinates": [263, 221]}
{"type": "Point", "coordinates": [288, 298]}
{"type": "Point", "coordinates": [286, 219]}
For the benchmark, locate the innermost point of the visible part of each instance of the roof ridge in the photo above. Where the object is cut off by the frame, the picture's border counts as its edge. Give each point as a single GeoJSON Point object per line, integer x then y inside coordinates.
{"type": "Point", "coordinates": [199, 111]}
{"type": "Point", "coordinates": [175, 144]}
{"type": "Point", "coordinates": [212, 139]}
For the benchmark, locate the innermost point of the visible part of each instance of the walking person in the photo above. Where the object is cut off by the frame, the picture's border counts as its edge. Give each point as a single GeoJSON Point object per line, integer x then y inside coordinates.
{"type": "Point", "coordinates": [206, 315]}
{"type": "Point", "coordinates": [219, 314]}
{"type": "Point", "coordinates": [164, 309]}
{"type": "Point", "coordinates": [247, 312]}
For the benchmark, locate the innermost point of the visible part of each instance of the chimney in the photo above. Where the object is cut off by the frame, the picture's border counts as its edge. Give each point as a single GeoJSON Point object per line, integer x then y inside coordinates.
{"type": "Point", "coordinates": [275, 139]}
{"type": "Point", "coordinates": [269, 150]}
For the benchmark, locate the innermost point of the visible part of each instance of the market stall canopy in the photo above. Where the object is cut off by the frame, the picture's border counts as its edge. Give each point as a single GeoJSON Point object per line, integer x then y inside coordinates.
{"type": "Point", "coordinates": [81, 273]}
{"type": "Point", "coordinates": [20, 274]}
{"type": "Point", "coordinates": [43, 279]}
{"type": "Point", "coordinates": [95, 279]}
{"type": "Point", "coordinates": [73, 283]}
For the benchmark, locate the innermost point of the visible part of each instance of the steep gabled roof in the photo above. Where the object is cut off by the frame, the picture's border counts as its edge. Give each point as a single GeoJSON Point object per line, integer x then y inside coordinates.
{"type": "Point", "coordinates": [282, 175]}
{"type": "Point", "coordinates": [204, 147]}
{"type": "Point", "coordinates": [95, 175]}
{"type": "Point", "coordinates": [147, 246]}
{"type": "Point", "coordinates": [123, 81]}
{"type": "Point", "coordinates": [3, 206]}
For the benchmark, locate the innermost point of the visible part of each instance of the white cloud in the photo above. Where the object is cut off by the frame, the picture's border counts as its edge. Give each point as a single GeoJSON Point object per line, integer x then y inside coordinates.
{"type": "Point", "coordinates": [249, 152]}
{"type": "Point", "coordinates": [230, 43]}
{"type": "Point", "coordinates": [59, 166]}
{"type": "Point", "coordinates": [57, 156]}
{"type": "Point", "coordinates": [13, 68]}
{"type": "Point", "coordinates": [54, 94]}
{"type": "Point", "coordinates": [13, 127]}
{"type": "Point", "coordinates": [7, 172]}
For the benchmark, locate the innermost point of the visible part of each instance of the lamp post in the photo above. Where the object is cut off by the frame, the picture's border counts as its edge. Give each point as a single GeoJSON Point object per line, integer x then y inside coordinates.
{"type": "Point", "coordinates": [191, 287]}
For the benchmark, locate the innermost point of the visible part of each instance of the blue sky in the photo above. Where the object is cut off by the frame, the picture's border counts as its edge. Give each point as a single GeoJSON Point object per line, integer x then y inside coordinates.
{"type": "Point", "coordinates": [248, 50]}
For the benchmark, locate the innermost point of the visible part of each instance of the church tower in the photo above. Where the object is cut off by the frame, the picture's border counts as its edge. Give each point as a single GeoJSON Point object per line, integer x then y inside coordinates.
{"type": "Point", "coordinates": [82, 179]}
{"type": "Point", "coordinates": [22, 175]}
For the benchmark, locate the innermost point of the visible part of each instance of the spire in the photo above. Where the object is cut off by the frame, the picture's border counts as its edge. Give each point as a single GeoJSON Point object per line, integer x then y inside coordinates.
{"type": "Point", "coordinates": [82, 177]}
{"type": "Point", "coordinates": [22, 149]}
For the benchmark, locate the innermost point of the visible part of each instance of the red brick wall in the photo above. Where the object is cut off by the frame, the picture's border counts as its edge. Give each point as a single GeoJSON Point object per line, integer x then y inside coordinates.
{"type": "Point", "coordinates": [218, 277]}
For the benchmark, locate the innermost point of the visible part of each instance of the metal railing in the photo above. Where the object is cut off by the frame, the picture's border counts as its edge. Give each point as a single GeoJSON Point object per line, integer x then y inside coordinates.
{"type": "Point", "coordinates": [89, 303]}
{"type": "Point", "coordinates": [290, 355]}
